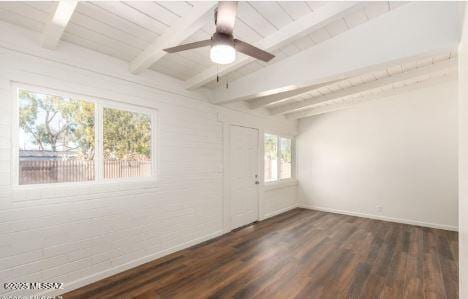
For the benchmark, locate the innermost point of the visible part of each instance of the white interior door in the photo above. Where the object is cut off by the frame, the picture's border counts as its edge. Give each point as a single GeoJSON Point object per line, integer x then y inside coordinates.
{"type": "Point", "coordinates": [244, 176]}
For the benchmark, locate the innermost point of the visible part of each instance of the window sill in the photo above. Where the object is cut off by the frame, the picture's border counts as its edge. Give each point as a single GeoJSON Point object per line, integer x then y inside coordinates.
{"type": "Point", "coordinates": [279, 184]}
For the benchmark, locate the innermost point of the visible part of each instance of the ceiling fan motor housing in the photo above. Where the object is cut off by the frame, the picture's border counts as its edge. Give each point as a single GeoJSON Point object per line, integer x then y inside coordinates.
{"type": "Point", "coordinates": [222, 39]}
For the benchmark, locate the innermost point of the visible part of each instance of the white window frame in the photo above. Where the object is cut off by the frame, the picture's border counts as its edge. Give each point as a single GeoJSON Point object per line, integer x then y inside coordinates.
{"type": "Point", "coordinates": [278, 159]}
{"type": "Point", "coordinates": [100, 104]}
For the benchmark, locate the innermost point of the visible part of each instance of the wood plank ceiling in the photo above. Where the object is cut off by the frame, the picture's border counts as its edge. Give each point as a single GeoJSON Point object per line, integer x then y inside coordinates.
{"type": "Point", "coordinates": [365, 87]}
{"type": "Point", "coordinates": [124, 29]}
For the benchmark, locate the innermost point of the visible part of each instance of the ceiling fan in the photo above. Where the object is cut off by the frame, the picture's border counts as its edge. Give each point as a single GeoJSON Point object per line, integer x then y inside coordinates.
{"type": "Point", "coordinates": [223, 44]}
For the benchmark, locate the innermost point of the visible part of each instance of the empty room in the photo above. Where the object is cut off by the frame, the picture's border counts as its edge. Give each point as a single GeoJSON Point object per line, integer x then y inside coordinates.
{"type": "Point", "coordinates": [250, 149]}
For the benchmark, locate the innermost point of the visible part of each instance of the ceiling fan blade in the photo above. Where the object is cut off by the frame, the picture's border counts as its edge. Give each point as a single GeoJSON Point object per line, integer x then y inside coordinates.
{"type": "Point", "coordinates": [252, 51]}
{"type": "Point", "coordinates": [194, 45]}
{"type": "Point", "coordinates": [225, 17]}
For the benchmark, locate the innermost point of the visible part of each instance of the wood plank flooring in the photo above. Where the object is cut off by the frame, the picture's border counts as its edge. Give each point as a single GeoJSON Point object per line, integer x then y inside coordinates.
{"type": "Point", "coordinates": [300, 254]}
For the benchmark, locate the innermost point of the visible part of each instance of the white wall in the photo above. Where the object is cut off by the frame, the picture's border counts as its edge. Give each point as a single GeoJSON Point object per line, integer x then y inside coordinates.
{"type": "Point", "coordinates": [463, 158]}
{"type": "Point", "coordinates": [80, 234]}
{"type": "Point", "coordinates": [279, 199]}
{"type": "Point", "coordinates": [398, 153]}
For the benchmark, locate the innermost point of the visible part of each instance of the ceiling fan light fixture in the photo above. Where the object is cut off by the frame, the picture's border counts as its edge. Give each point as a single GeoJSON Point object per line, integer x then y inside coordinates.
{"type": "Point", "coordinates": [222, 54]}
{"type": "Point", "coordinates": [222, 49]}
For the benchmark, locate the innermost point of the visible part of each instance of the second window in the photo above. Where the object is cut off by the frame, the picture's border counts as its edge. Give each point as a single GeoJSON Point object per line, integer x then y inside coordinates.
{"type": "Point", "coordinates": [277, 158]}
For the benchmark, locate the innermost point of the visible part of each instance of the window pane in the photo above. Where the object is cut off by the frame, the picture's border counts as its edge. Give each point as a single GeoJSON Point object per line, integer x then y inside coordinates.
{"type": "Point", "coordinates": [127, 144]}
{"type": "Point", "coordinates": [56, 138]}
{"type": "Point", "coordinates": [285, 159]}
{"type": "Point", "coordinates": [271, 156]}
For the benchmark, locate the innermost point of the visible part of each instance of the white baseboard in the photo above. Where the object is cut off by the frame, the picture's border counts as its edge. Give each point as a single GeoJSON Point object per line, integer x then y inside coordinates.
{"type": "Point", "coordinates": [101, 275]}
{"type": "Point", "coordinates": [281, 211]}
{"type": "Point", "coordinates": [380, 217]}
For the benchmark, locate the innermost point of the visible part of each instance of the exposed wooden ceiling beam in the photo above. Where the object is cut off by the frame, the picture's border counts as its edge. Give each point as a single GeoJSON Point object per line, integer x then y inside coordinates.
{"type": "Point", "coordinates": [335, 107]}
{"type": "Point", "coordinates": [306, 24]}
{"type": "Point", "coordinates": [419, 72]}
{"type": "Point", "coordinates": [175, 35]}
{"type": "Point", "coordinates": [281, 96]}
{"type": "Point", "coordinates": [59, 21]}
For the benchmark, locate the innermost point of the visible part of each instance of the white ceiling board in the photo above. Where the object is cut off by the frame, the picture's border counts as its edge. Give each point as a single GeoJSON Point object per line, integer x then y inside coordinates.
{"type": "Point", "coordinates": [171, 66]}
{"type": "Point", "coordinates": [104, 16]}
{"type": "Point", "coordinates": [132, 15]}
{"type": "Point", "coordinates": [23, 9]}
{"type": "Point", "coordinates": [155, 11]}
{"type": "Point", "coordinates": [107, 31]}
{"type": "Point", "coordinates": [295, 9]}
{"type": "Point", "coordinates": [45, 6]}
{"type": "Point", "coordinates": [244, 32]}
{"type": "Point", "coordinates": [179, 8]}
{"type": "Point", "coordinates": [201, 57]}
{"type": "Point", "coordinates": [102, 39]}
{"type": "Point", "coordinates": [249, 15]}
{"type": "Point", "coordinates": [273, 13]}
{"type": "Point", "coordinates": [97, 46]}
{"type": "Point", "coordinates": [18, 19]}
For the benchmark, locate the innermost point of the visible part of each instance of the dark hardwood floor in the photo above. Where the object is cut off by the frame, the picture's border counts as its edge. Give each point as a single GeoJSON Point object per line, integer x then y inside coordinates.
{"type": "Point", "coordinates": [300, 254]}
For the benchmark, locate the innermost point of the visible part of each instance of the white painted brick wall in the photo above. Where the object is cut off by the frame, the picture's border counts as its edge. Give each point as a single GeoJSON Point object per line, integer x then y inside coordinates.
{"type": "Point", "coordinates": [82, 233]}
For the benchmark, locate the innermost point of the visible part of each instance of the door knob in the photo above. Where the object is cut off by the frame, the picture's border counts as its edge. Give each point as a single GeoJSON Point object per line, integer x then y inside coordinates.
{"type": "Point", "coordinates": [257, 182]}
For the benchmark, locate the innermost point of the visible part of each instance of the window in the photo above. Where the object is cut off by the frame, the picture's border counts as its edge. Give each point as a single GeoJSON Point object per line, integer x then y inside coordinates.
{"type": "Point", "coordinates": [58, 139]}
{"type": "Point", "coordinates": [271, 158]}
{"type": "Point", "coordinates": [127, 143]}
{"type": "Point", "coordinates": [285, 158]}
{"type": "Point", "coordinates": [278, 158]}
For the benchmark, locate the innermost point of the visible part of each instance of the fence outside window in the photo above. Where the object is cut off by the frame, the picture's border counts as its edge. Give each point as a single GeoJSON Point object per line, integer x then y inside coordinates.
{"type": "Point", "coordinates": [59, 171]}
